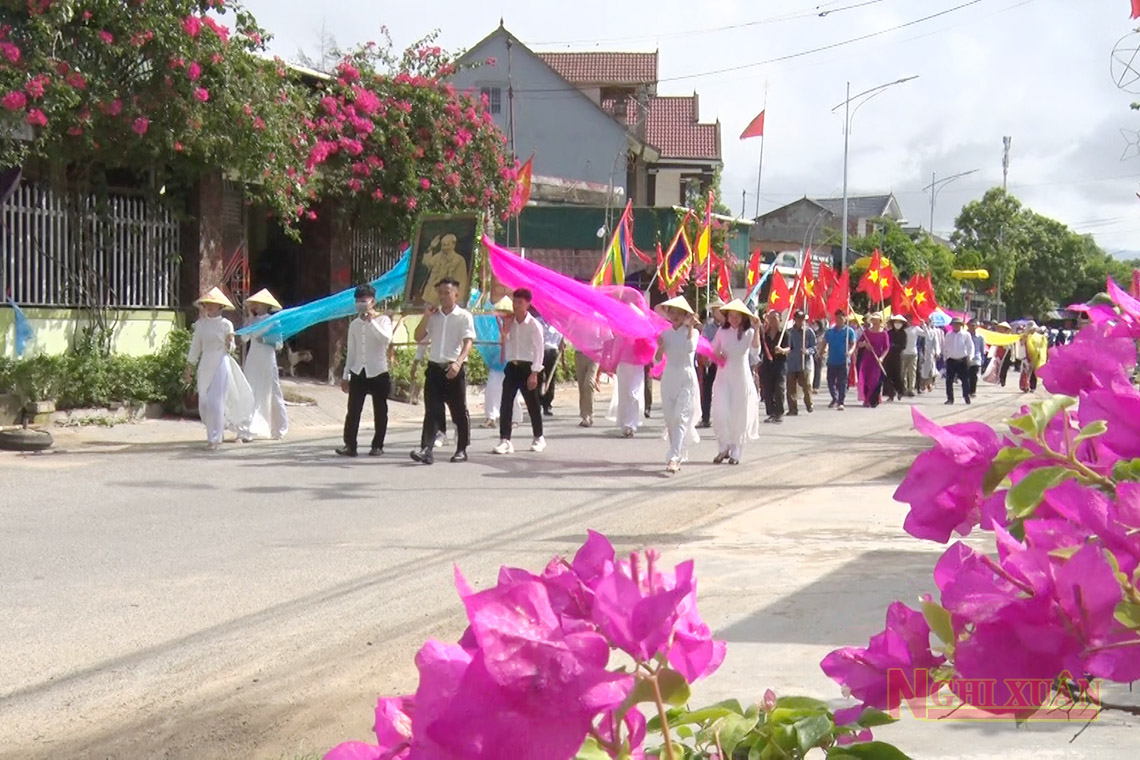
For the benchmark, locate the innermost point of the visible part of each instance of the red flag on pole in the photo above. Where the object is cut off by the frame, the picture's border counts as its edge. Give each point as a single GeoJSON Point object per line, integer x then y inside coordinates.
{"type": "Point", "coordinates": [876, 281]}
{"type": "Point", "coordinates": [779, 297]}
{"type": "Point", "coordinates": [525, 175]}
{"type": "Point", "coordinates": [807, 285]}
{"type": "Point", "coordinates": [755, 127]}
{"type": "Point", "coordinates": [754, 263]}
{"type": "Point", "coordinates": [1135, 8]}
{"type": "Point", "coordinates": [840, 294]}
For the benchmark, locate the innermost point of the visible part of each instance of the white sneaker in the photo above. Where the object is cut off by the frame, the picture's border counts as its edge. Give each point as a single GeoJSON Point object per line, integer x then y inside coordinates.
{"type": "Point", "coordinates": [539, 445]}
{"type": "Point", "coordinates": [440, 441]}
{"type": "Point", "coordinates": [504, 447]}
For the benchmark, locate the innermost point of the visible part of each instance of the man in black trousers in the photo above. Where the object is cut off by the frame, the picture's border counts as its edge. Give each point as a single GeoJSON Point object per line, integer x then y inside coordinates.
{"type": "Point", "coordinates": [706, 369]}
{"type": "Point", "coordinates": [366, 371]}
{"type": "Point", "coordinates": [450, 332]}
{"type": "Point", "coordinates": [522, 347]}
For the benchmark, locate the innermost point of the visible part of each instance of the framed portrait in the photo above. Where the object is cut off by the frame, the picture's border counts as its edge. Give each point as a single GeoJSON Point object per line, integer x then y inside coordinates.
{"type": "Point", "coordinates": [443, 246]}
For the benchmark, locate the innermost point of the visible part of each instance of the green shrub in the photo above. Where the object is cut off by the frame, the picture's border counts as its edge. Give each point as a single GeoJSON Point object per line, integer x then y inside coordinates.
{"type": "Point", "coordinates": [88, 376]}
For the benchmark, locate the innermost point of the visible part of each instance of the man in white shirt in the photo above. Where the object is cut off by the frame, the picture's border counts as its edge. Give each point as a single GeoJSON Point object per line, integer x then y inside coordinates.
{"type": "Point", "coordinates": [366, 371]}
{"type": "Point", "coordinates": [523, 349]}
{"type": "Point", "coordinates": [958, 351]}
{"type": "Point", "coordinates": [910, 359]}
{"type": "Point", "coordinates": [450, 332]}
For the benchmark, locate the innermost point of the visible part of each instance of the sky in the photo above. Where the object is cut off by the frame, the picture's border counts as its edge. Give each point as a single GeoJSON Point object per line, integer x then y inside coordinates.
{"type": "Point", "coordinates": [1038, 71]}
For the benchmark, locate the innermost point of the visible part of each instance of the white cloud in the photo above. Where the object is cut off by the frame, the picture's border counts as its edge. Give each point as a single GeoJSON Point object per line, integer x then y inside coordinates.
{"type": "Point", "coordinates": [1036, 70]}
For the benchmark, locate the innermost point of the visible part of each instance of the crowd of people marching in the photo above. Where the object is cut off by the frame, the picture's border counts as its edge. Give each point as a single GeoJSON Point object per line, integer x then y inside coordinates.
{"type": "Point", "coordinates": [715, 370]}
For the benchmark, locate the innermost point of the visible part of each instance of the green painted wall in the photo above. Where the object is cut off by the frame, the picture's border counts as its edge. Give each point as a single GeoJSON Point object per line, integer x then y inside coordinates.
{"type": "Point", "coordinates": [136, 333]}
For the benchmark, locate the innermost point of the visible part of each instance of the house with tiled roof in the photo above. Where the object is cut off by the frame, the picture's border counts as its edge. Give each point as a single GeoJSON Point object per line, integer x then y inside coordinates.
{"type": "Point", "coordinates": [805, 224]}
{"type": "Point", "coordinates": [595, 123]}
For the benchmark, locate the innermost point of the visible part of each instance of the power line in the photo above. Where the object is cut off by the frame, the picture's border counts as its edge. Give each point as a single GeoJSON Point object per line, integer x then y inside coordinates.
{"type": "Point", "coordinates": [816, 12]}
{"type": "Point", "coordinates": [799, 54]}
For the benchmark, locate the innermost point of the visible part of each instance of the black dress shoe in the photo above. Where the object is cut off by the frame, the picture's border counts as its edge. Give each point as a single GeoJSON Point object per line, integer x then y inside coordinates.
{"type": "Point", "coordinates": [376, 451]}
{"type": "Point", "coordinates": [345, 451]}
{"type": "Point", "coordinates": [548, 412]}
{"type": "Point", "coordinates": [423, 456]}
{"type": "Point", "coordinates": [459, 456]}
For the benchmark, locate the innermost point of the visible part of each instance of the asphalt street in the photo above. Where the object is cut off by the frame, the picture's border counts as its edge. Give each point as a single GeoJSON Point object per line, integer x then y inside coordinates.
{"type": "Point", "coordinates": [163, 602]}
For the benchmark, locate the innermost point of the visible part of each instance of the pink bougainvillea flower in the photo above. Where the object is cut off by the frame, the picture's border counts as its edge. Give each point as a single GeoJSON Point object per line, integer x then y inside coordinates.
{"type": "Point", "coordinates": [14, 101]}
{"type": "Point", "coordinates": [37, 118]}
{"type": "Point", "coordinates": [637, 608]}
{"type": "Point", "coordinates": [695, 654]}
{"type": "Point", "coordinates": [365, 100]}
{"type": "Point", "coordinates": [902, 649]}
{"type": "Point", "coordinates": [75, 131]}
{"type": "Point", "coordinates": [36, 86]}
{"type": "Point", "coordinates": [944, 485]}
{"type": "Point", "coordinates": [194, 71]}
{"type": "Point", "coordinates": [140, 125]}
{"type": "Point", "coordinates": [219, 29]}
{"type": "Point", "coordinates": [1092, 361]}
{"type": "Point", "coordinates": [201, 94]}
{"type": "Point", "coordinates": [106, 36]}
{"type": "Point", "coordinates": [1120, 408]}
{"type": "Point", "coordinates": [632, 732]}
{"type": "Point", "coordinates": [348, 71]}
{"type": "Point", "coordinates": [425, 183]}
{"type": "Point", "coordinates": [192, 25]}
{"type": "Point", "coordinates": [10, 51]}
{"type": "Point", "coordinates": [76, 80]}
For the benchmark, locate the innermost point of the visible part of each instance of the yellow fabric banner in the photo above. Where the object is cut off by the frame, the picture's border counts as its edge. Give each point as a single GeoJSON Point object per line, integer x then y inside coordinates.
{"type": "Point", "coordinates": [999, 339]}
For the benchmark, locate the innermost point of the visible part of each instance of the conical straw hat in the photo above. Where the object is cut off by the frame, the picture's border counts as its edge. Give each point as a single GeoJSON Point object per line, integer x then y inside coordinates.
{"type": "Point", "coordinates": [265, 297]}
{"type": "Point", "coordinates": [675, 303]}
{"type": "Point", "coordinates": [504, 305]}
{"type": "Point", "coordinates": [737, 305]}
{"type": "Point", "coordinates": [216, 296]}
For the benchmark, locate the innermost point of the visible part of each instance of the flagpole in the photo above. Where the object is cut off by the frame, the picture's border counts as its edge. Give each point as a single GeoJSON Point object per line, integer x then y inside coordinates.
{"type": "Point", "coordinates": [760, 170]}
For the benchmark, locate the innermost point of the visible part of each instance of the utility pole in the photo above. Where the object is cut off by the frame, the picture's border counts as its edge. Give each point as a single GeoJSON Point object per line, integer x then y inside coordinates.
{"type": "Point", "coordinates": [743, 202]}
{"type": "Point", "coordinates": [1006, 141]}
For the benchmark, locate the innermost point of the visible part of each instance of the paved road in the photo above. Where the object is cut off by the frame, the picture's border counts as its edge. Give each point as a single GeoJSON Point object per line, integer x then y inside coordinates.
{"type": "Point", "coordinates": [163, 602]}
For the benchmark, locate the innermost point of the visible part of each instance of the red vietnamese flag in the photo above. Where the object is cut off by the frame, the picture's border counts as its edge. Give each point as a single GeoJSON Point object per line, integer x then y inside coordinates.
{"type": "Point", "coordinates": [1135, 10]}
{"type": "Point", "coordinates": [840, 296]}
{"type": "Point", "coordinates": [755, 127]}
{"type": "Point", "coordinates": [806, 293]}
{"type": "Point", "coordinates": [902, 297]}
{"type": "Point", "coordinates": [754, 268]}
{"type": "Point", "coordinates": [930, 299]}
{"type": "Point", "coordinates": [723, 279]}
{"type": "Point", "coordinates": [825, 279]}
{"type": "Point", "coordinates": [779, 297]}
{"type": "Point", "coordinates": [876, 281]}
{"type": "Point", "coordinates": [924, 304]}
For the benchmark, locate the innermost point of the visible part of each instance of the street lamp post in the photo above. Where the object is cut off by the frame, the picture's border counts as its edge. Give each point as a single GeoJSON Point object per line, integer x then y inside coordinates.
{"type": "Point", "coordinates": [849, 114]}
{"type": "Point", "coordinates": [936, 185]}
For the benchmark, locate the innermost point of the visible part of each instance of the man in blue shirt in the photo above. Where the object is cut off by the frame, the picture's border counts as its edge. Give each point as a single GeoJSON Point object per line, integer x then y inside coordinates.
{"type": "Point", "coordinates": [840, 340]}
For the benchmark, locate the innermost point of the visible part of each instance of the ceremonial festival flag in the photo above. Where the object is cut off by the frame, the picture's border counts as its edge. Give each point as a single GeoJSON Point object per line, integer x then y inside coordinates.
{"type": "Point", "coordinates": [611, 269]}
{"type": "Point", "coordinates": [876, 281]}
{"type": "Point", "coordinates": [779, 297]}
{"type": "Point", "coordinates": [704, 237]}
{"type": "Point", "coordinates": [825, 280]}
{"type": "Point", "coordinates": [677, 260]}
{"type": "Point", "coordinates": [902, 296]}
{"type": "Point", "coordinates": [525, 174]}
{"type": "Point", "coordinates": [755, 127]}
{"type": "Point", "coordinates": [925, 303]}
{"type": "Point", "coordinates": [1135, 8]}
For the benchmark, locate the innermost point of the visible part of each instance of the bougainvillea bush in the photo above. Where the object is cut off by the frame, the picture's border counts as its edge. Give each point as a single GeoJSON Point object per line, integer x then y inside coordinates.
{"type": "Point", "coordinates": [166, 89]}
{"type": "Point", "coordinates": [394, 139]}
{"type": "Point", "coordinates": [559, 665]}
{"type": "Point", "coordinates": [1054, 609]}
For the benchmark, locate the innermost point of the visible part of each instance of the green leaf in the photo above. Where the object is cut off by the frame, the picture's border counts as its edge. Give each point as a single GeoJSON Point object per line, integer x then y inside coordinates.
{"type": "Point", "coordinates": [1026, 424]}
{"type": "Point", "coordinates": [732, 730]}
{"type": "Point", "coordinates": [1128, 614]}
{"type": "Point", "coordinates": [654, 723]}
{"type": "Point", "coordinates": [872, 718]}
{"type": "Point", "coordinates": [1024, 497]}
{"type": "Point", "coordinates": [1091, 430]}
{"type": "Point", "coordinates": [674, 687]}
{"type": "Point", "coordinates": [591, 750]}
{"type": "Point", "coordinates": [1065, 552]}
{"type": "Point", "coordinates": [801, 703]}
{"type": "Point", "coordinates": [1043, 412]}
{"type": "Point", "coordinates": [712, 712]}
{"type": "Point", "coordinates": [867, 751]}
{"type": "Point", "coordinates": [757, 749]}
{"type": "Point", "coordinates": [810, 731]}
{"type": "Point", "coordinates": [1126, 470]}
{"type": "Point", "coordinates": [938, 618]}
{"type": "Point", "coordinates": [1006, 460]}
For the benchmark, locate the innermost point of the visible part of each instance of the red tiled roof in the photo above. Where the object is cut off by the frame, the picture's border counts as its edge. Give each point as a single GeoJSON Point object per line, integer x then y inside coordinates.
{"type": "Point", "coordinates": [604, 68]}
{"type": "Point", "coordinates": [673, 126]}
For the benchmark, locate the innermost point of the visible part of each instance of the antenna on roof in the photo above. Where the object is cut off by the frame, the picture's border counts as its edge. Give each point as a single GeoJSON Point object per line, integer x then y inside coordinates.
{"type": "Point", "coordinates": [500, 22]}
